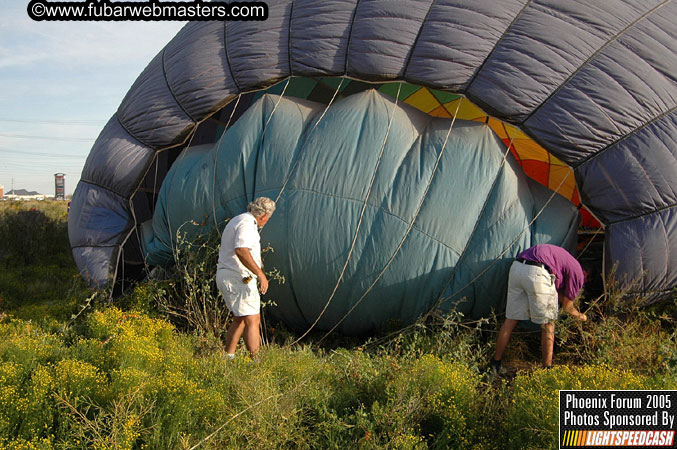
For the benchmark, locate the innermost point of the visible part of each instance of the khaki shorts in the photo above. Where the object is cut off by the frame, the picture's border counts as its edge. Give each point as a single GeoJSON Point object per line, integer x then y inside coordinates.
{"type": "Point", "coordinates": [241, 299]}
{"type": "Point", "coordinates": [531, 294]}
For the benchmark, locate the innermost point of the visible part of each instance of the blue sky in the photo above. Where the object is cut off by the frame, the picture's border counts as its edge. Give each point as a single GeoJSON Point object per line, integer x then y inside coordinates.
{"type": "Point", "coordinates": [60, 82]}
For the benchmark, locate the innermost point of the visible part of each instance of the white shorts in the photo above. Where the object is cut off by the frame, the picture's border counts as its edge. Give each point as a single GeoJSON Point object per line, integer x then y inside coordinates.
{"type": "Point", "coordinates": [241, 299]}
{"type": "Point", "coordinates": [532, 294]}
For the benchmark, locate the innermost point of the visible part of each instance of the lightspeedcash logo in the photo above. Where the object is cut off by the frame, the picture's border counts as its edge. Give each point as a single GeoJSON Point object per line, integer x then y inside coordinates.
{"type": "Point", "coordinates": [617, 419]}
{"type": "Point", "coordinates": [618, 439]}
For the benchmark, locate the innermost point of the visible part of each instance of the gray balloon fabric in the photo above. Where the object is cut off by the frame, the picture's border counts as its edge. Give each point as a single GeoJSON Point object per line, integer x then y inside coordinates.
{"type": "Point", "coordinates": [438, 207]}
{"type": "Point", "coordinates": [592, 82]}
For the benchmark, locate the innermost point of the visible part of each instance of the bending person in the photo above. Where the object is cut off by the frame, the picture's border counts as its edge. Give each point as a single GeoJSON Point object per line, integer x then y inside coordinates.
{"type": "Point", "coordinates": [238, 270]}
{"type": "Point", "coordinates": [540, 278]}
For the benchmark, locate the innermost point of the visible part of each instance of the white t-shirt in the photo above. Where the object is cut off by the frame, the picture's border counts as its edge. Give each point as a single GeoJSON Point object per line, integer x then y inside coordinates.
{"type": "Point", "coordinates": [241, 232]}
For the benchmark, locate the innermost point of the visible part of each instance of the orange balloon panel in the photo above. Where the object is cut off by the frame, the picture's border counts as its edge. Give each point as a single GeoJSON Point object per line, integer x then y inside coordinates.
{"type": "Point", "coordinates": [538, 170]}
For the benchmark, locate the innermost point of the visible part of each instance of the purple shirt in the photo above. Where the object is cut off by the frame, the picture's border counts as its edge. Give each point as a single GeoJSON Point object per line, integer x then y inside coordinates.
{"type": "Point", "coordinates": [568, 273]}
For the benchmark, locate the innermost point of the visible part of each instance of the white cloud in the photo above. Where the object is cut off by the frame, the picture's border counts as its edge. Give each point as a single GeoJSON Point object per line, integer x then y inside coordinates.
{"type": "Point", "coordinates": [82, 44]}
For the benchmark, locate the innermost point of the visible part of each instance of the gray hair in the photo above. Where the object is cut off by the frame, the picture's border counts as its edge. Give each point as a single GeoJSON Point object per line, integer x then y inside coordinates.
{"type": "Point", "coordinates": [261, 206]}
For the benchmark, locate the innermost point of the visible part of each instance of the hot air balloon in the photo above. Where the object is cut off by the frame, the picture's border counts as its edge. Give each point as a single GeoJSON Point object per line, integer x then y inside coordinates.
{"type": "Point", "coordinates": [579, 97]}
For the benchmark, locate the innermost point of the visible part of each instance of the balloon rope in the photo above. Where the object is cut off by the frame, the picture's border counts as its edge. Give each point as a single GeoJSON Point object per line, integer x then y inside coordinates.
{"type": "Point", "coordinates": [279, 99]}
{"type": "Point", "coordinates": [216, 159]}
{"type": "Point", "coordinates": [442, 299]}
{"type": "Point", "coordinates": [258, 403]}
{"type": "Point", "coordinates": [253, 405]}
{"type": "Point", "coordinates": [359, 223]}
{"type": "Point", "coordinates": [479, 216]}
{"type": "Point", "coordinates": [167, 218]}
{"type": "Point", "coordinates": [409, 228]}
{"type": "Point", "coordinates": [136, 222]}
{"type": "Point", "coordinates": [263, 136]}
{"type": "Point", "coordinates": [135, 228]}
{"type": "Point", "coordinates": [305, 140]}
{"type": "Point", "coordinates": [594, 235]}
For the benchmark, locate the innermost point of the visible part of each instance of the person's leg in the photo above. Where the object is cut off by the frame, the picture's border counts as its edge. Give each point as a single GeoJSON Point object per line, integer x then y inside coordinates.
{"type": "Point", "coordinates": [516, 308]}
{"type": "Point", "coordinates": [504, 337]}
{"type": "Point", "coordinates": [547, 342]}
{"type": "Point", "coordinates": [233, 335]}
{"type": "Point", "coordinates": [252, 333]}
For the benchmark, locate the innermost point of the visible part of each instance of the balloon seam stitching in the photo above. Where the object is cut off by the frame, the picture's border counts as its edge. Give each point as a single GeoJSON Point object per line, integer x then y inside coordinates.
{"type": "Point", "coordinates": [289, 30]}
{"type": "Point", "coordinates": [493, 49]}
{"type": "Point", "coordinates": [359, 223]}
{"type": "Point", "coordinates": [623, 138]}
{"type": "Point", "coordinates": [418, 35]}
{"type": "Point", "coordinates": [589, 59]}
{"type": "Point", "coordinates": [305, 140]}
{"type": "Point", "coordinates": [500, 170]}
{"type": "Point", "coordinates": [225, 51]}
{"type": "Point", "coordinates": [216, 158]}
{"type": "Point", "coordinates": [638, 216]}
{"type": "Point", "coordinates": [93, 183]}
{"type": "Point", "coordinates": [135, 137]}
{"type": "Point", "coordinates": [409, 227]}
{"type": "Point", "coordinates": [390, 213]}
{"type": "Point", "coordinates": [350, 37]}
{"type": "Point", "coordinates": [171, 91]}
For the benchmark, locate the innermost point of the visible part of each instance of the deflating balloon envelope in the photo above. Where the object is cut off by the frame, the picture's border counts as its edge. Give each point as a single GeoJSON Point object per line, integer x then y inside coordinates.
{"type": "Point", "coordinates": [584, 91]}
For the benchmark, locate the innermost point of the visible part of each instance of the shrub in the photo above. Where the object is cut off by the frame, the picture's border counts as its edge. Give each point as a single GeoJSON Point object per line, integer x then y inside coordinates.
{"type": "Point", "coordinates": [434, 399]}
{"type": "Point", "coordinates": [532, 416]}
{"type": "Point", "coordinates": [129, 339]}
{"type": "Point", "coordinates": [190, 297]}
{"type": "Point", "coordinates": [29, 236]}
{"type": "Point", "coordinates": [28, 345]}
{"type": "Point", "coordinates": [623, 332]}
{"type": "Point", "coordinates": [39, 279]}
{"type": "Point", "coordinates": [13, 403]}
{"type": "Point", "coordinates": [78, 379]}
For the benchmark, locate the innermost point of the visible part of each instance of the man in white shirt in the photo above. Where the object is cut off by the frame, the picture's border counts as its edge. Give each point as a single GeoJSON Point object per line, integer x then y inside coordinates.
{"type": "Point", "coordinates": [238, 270]}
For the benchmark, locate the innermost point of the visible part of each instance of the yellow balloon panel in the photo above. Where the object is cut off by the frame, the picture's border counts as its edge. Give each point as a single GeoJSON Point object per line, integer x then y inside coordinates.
{"type": "Point", "coordinates": [516, 132]}
{"type": "Point", "coordinates": [467, 111]}
{"type": "Point", "coordinates": [423, 100]}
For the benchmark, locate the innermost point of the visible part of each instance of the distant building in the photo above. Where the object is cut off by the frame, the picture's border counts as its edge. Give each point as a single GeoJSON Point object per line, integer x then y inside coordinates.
{"type": "Point", "coordinates": [23, 194]}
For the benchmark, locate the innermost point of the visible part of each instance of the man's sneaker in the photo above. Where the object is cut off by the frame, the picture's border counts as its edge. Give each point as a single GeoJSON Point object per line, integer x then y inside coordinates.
{"type": "Point", "coordinates": [494, 368]}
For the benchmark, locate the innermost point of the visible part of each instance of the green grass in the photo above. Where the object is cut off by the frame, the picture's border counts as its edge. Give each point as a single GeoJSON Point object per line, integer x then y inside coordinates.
{"type": "Point", "coordinates": [133, 376]}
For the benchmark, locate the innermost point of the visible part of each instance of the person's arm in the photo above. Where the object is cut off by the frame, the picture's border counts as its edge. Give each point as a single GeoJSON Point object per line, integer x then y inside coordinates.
{"type": "Point", "coordinates": [569, 308]}
{"type": "Point", "coordinates": [245, 257]}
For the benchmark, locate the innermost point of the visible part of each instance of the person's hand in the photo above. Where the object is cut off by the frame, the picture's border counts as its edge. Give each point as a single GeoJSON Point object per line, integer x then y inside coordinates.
{"type": "Point", "coordinates": [263, 283]}
{"type": "Point", "coordinates": [582, 317]}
